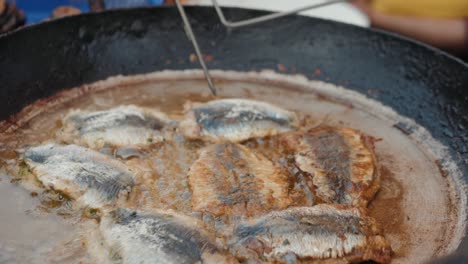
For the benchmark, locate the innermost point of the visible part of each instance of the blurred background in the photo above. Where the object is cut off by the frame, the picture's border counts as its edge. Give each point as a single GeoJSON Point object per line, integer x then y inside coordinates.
{"type": "Point", "coordinates": [440, 23]}
{"type": "Point", "coordinates": [39, 10]}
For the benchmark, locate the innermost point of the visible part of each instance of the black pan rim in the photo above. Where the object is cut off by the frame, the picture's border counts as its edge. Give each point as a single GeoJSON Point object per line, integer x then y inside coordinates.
{"type": "Point", "coordinates": [396, 36]}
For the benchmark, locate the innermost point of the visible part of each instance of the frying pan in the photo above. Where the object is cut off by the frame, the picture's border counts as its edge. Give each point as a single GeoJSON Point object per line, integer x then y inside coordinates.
{"type": "Point", "coordinates": [417, 81]}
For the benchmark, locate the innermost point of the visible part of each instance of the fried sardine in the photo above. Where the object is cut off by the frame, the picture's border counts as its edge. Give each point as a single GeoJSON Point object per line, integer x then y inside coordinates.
{"type": "Point", "coordinates": [341, 163]}
{"type": "Point", "coordinates": [159, 237]}
{"type": "Point", "coordinates": [231, 179]}
{"type": "Point", "coordinates": [90, 177]}
{"type": "Point", "coordinates": [236, 120]}
{"type": "Point", "coordinates": [311, 233]}
{"type": "Point", "coordinates": [120, 126]}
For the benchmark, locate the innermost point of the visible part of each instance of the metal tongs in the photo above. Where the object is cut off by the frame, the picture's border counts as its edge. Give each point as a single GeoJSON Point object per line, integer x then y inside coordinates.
{"type": "Point", "coordinates": [236, 24]}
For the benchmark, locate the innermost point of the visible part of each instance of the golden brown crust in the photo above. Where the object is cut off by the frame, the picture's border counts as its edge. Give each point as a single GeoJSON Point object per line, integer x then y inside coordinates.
{"type": "Point", "coordinates": [335, 233]}
{"type": "Point", "coordinates": [341, 162]}
{"type": "Point", "coordinates": [230, 179]}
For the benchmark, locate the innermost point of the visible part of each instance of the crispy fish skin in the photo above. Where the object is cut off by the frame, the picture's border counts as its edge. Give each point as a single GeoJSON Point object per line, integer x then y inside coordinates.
{"type": "Point", "coordinates": [236, 120]}
{"type": "Point", "coordinates": [119, 126]}
{"type": "Point", "coordinates": [311, 233]}
{"type": "Point", "coordinates": [231, 179]}
{"type": "Point", "coordinates": [159, 237]}
{"type": "Point", "coordinates": [82, 174]}
{"type": "Point", "coordinates": [341, 162]}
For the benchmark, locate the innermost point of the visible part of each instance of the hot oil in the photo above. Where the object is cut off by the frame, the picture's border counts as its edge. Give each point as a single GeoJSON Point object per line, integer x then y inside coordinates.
{"type": "Point", "coordinates": [387, 209]}
{"type": "Point", "coordinates": [415, 223]}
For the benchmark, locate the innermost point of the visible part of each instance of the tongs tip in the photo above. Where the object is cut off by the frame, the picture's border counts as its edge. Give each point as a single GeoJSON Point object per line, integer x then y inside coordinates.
{"type": "Point", "coordinates": [191, 36]}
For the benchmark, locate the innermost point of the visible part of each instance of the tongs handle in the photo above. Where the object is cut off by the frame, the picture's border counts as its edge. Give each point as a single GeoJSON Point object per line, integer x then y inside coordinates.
{"type": "Point", "coordinates": [242, 23]}
{"type": "Point", "coordinates": [192, 38]}
{"type": "Point", "coordinates": [260, 19]}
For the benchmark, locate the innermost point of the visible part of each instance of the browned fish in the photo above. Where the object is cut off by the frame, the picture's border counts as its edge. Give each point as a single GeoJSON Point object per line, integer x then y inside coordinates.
{"type": "Point", "coordinates": [311, 233]}
{"type": "Point", "coordinates": [341, 163]}
{"type": "Point", "coordinates": [136, 237]}
{"type": "Point", "coordinates": [91, 178]}
{"type": "Point", "coordinates": [230, 179]}
{"type": "Point", "coordinates": [120, 126]}
{"type": "Point", "coordinates": [236, 120]}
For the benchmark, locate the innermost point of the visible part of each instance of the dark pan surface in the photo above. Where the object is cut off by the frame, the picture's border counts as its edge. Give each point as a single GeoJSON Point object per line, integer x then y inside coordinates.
{"type": "Point", "coordinates": [415, 80]}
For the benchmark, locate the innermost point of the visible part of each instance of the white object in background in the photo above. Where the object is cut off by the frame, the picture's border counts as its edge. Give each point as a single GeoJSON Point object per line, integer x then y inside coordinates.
{"type": "Point", "coordinates": [342, 12]}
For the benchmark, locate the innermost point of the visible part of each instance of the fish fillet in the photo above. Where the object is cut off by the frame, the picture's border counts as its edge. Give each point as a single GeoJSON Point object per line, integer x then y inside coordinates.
{"type": "Point", "coordinates": [120, 126]}
{"type": "Point", "coordinates": [236, 120]}
{"type": "Point", "coordinates": [230, 179]}
{"type": "Point", "coordinates": [310, 233]}
{"type": "Point", "coordinates": [90, 177]}
{"type": "Point", "coordinates": [159, 237]}
{"type": "Point", "coordinates": [340, 161]}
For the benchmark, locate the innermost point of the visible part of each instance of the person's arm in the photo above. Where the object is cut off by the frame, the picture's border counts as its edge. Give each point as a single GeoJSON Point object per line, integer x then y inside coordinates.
{"type": "Point", "coordinates": [443, 33]}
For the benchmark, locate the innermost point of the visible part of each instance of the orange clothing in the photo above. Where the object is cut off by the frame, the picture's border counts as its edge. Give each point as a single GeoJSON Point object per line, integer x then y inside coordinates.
{"type": "Point", "coordinates": [423, 8]}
